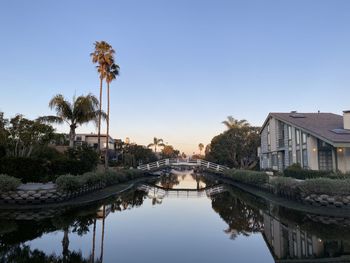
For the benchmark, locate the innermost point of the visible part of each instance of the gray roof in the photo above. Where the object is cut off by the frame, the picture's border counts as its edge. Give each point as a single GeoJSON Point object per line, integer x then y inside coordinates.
{"type": "Point", "coordinates": [326, 126]}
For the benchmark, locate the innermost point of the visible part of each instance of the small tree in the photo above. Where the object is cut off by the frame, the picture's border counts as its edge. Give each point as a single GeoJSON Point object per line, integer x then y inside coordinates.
{"type": "Point", "coordinates": [156, 143]}
{"type": "Point", "coordinates": [201, 147]}
{"type": "Point", "coordinates": [81, 110]}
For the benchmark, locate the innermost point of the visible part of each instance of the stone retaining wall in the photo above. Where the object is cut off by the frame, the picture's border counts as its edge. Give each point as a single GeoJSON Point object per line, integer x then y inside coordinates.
{"type": "Point", "coordinates": [43, 196]}
{"type": "Point", "coordinates": [327, 200]}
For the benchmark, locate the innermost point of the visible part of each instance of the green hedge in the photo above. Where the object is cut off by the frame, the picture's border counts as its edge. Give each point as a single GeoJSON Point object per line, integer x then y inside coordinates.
{"type": "Point", "coordinates": [74, 182]}
{"type": "Point", "coordinates": [248, 177]}
{"type": "Point", "coordinates": [295, 171]}
{"type": "Point", "coordinates": [40, 170]}
{"type": "Point", "coordinates": [26, 169]}
{"type": "Point", "coordinates": [325, 186]}
{"type": "Point", "coordinates": [8, 183]}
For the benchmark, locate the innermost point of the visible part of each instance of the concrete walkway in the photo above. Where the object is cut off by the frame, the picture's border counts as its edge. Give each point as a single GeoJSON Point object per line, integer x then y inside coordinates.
{"type": "Point", "coordinates": [36, 186]}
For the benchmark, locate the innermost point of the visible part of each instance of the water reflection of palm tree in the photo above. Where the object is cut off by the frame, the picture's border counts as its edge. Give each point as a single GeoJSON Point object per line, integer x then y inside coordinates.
{"type": "Point", "coordinates": [65, 244]}
{"type": "Point", "coordinates": [103, 232]}
{"type": "Point", "coordinates": [93, 242]}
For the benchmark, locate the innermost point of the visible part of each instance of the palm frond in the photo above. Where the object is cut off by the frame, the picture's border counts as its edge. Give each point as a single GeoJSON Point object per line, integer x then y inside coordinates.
{"type": "Point", "coordinates": [50, 119]}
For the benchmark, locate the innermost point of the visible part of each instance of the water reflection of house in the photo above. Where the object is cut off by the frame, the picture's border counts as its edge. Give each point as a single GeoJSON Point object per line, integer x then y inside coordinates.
{"type": "Point", "coordinates": [103, 211]}
{"type": "Point", "coordinates": [289, 243]}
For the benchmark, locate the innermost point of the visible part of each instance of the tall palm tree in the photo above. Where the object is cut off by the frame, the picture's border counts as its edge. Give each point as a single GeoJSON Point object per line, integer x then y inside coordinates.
{"type": "Point", "coordinates": [231, 123]}
{"type": "Point", "coordinates": [156, 143]}
{"type": "Point", "coordinates": [201, 147]}
{"type": "Point", "coordinates": [81, 110]}
{"type": "Point", "coordinates": [111, 74]}
{"type": "Point", "coordinates": [103, 57]}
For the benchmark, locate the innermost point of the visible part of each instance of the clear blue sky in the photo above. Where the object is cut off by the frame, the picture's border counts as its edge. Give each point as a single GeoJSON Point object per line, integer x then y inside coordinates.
{"type": "Point", "coordinates": [185, 65]}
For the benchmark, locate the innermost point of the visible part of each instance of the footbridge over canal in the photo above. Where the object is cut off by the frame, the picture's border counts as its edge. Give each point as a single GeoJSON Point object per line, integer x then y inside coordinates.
{"type": "Point", "coordinates": [182, 162]}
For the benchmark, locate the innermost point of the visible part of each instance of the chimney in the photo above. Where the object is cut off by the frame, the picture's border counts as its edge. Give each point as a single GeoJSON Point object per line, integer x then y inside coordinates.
{"type": "Point", "coordinates": [346, 119]}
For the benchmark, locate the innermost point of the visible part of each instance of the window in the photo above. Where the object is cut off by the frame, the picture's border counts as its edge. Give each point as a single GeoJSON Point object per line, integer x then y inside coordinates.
{"type": "Point", "coordinates": [268, 138]}
{"type": "Point", "coordinates": [78, 138]}
{"type": "Point", "coordinates": [325, 158]}
{"type": "Point", "coordinates": [305, 161]}
{"type": "Point", "coordinates": [289, 135]}
{"type": "Point", "coordinates": [303, 138]}
{"type": "Point", "coordinates": [298, 156]}
{"type": "Point", "coordinates": [274, 160]}
{"type": "Point", "coordinates": [297, 137]}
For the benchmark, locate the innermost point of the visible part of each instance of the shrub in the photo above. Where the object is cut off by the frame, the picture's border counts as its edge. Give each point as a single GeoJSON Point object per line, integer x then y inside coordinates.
{"type": "Point", "coordinates": [8, 183]}
{"type": "Point", "coordinates": [69, 182]}
{"type": "Point", "coordinates": [248, 177]}
{"type": "Point", "coordinates": [112, 177]}
{"type": "Point", "coordinates": [91, 178]}
{"type": "Point", "coordinates": [26, 169]}
{"type": "Point", "coordinates": [325, 186]}
{"type": "Point", "coordinates": [87, 157]}
{"type": "Point", "coordinates": [285, 185]}
{"type": "Point", "coordinates": [295, 171]}
{"type": "Point", "coordinates": [133, 173]}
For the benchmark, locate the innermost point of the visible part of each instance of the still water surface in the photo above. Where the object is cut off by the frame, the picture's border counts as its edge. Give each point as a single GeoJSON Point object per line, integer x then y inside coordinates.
{"type": "Point", "coordinates": [181, 217]}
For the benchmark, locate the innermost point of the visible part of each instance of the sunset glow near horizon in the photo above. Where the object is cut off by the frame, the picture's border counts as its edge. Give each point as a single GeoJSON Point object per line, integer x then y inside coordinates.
{"type": "Point", "coordinates": [185, 65]}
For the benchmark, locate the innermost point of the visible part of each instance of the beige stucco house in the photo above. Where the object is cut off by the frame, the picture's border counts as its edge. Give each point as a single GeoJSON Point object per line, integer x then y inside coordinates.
{"type": "Point", "coordinates": [317, 141]}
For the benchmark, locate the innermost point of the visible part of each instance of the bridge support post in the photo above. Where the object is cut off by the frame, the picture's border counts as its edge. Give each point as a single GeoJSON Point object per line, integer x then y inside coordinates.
{"type": "Point", "coordinates": [148, 168]}
{"type": "Point", "coordinates": [158, 164]}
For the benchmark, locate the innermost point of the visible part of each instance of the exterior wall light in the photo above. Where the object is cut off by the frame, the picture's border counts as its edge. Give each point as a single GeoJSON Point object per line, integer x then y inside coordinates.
{"type": "Point", "coordinates": [340, 150]}
{"type": "Point", "coordinates": [314, 149]}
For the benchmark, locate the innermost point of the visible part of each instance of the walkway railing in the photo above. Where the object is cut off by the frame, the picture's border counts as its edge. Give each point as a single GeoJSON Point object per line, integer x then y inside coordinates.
{"type": "Point", "coordinates": [182, 162]}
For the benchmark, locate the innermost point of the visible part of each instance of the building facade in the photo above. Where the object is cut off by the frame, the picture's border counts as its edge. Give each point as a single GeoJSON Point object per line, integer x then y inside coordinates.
{"type": "Point", "coordinates": [92, 141]}
{"type": "Point", "coordinates": [316, 141]}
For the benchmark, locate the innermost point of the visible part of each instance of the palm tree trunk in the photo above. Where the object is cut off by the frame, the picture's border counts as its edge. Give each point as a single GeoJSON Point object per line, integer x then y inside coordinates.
{"type": "Point", "coordinates": [107, 133]}
{"type": "Point", "coordinates": [71, 136]}
{"type": "Point", "coordinates": [99, 119]}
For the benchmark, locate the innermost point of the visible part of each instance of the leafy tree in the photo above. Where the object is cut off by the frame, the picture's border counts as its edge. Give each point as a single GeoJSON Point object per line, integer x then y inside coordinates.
{"type": "Point", "coordinates": [136, 154]}
{"type": "Point", "coordinates": [22, 135]}
{"type": "Point", "coordinates": [83, 109]}
{"type": "Point", "coordinates": [236, 147]}
{"type": "Point", "coordinates": [103, 57]}
{"type": "Point", "coordinates": [169, 152]}
{"type": "Point", "coordinates": [156, 143]}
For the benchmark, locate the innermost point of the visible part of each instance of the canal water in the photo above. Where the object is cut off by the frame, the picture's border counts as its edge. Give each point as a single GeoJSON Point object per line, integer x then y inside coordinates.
{"type": "Point", "coordinates": [179, 217]}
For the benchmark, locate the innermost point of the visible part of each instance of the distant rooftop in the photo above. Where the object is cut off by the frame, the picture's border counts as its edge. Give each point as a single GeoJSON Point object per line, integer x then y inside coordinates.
{"type": "Point", "coordinates": [326, 126]}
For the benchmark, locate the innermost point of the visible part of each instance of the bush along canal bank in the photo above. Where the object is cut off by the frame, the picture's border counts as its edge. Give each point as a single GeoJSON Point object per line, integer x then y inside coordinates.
{"type": "Point", "coordinates": [65, 188]}
{"type": "Point", "coordinates": [318, 192]}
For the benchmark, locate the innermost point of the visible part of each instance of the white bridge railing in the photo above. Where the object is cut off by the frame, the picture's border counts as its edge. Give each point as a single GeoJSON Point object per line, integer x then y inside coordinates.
{"type": "Point", "coordinates": [182, 162]}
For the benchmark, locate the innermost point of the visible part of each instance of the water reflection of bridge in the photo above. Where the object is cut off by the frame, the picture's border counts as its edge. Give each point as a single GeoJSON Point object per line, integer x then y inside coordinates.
{"type": "Point", "coordinates": [162, 192]}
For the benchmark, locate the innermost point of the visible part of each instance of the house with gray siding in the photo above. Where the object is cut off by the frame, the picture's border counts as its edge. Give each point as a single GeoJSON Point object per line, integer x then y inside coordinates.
{"type": "Point", "coordinates": [316, 141]}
